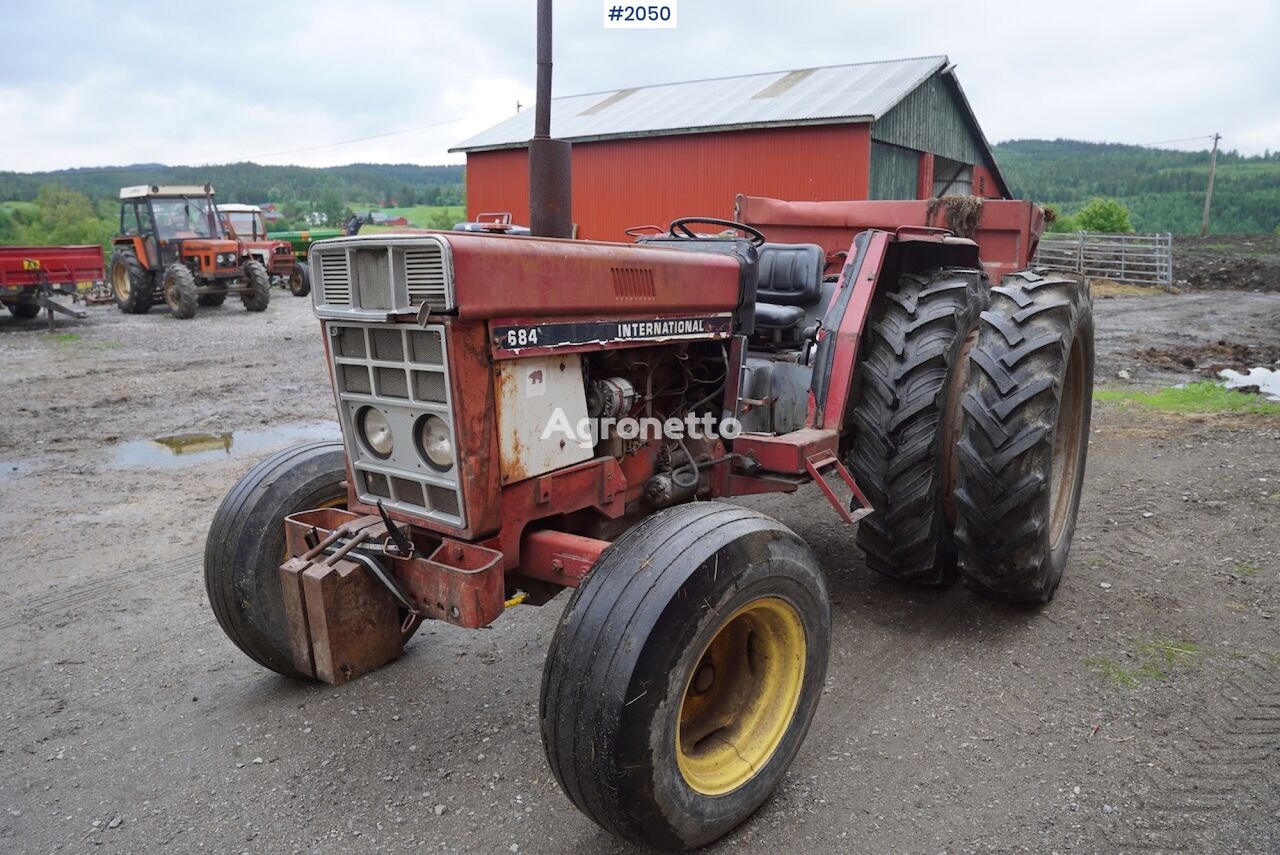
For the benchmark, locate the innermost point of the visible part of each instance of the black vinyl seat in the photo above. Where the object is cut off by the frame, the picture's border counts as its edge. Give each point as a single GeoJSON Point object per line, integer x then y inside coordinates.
{"type": "Point", "coordinates": [788, 290]}
{"type": "Point", "coordinates": [771, 316]}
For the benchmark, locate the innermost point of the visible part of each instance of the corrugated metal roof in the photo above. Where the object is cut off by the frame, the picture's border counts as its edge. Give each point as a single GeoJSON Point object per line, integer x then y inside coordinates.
{"type": "Point", "coordinates": [862, 91]}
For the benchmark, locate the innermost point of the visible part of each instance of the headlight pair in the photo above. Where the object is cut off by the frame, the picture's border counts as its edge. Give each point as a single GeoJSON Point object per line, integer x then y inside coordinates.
{"type": "Point", "coordinates": [430, 436]}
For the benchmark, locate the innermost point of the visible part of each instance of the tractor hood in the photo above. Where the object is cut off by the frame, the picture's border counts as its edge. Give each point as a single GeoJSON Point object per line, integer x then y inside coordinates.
{"type": "Point", "coordinates": [481, 276]}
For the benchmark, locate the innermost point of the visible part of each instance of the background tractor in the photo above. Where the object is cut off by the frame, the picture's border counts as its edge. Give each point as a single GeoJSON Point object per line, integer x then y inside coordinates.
{"type": "Point", "coordinates": [246, 224]}
{"type": "Point", "coordinates": [172, 247]}
{"type": "Point", "coordinates": [873, 359]}
{"type": "Point", "coordinates": [300, 240]}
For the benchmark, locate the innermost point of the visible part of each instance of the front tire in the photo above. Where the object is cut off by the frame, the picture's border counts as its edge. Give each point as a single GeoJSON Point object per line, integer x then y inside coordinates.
{"type": "Point", "coordinates": [905, 421]}
{"type": "Point", "coordinates": [300, 280]}
{"type": "Point", "coordinates": [130, 283]}
{"type": "Point", "coordinates": [1025, 437]}
{"type": "Point", "coordinates": [180, 291]}
{"type": "Point", "coordinates": [246, 546]}
{"type": "Point", "coordinates": [684, 674]}
{"type": "Point", "coordinates": [258, 296]}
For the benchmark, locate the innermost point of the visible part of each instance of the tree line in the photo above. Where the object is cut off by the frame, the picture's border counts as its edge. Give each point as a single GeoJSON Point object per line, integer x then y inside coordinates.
{"type": "Point", "coordinates": [407, 184]}
{"type": "Point", "coordinates": [1162, 189]}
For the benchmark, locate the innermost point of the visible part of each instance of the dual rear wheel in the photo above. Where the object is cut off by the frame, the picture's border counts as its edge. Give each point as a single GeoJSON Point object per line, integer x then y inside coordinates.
{"type": "Point", "coordinates": [970, 429]}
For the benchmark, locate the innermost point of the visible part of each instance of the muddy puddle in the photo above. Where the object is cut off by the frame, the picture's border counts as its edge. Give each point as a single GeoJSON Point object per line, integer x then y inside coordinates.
{"type": "Point", "coordinates": [1266, 380]}
{"type": "Point", "coordinates": [190, 449]}
{"type": "Point", "coordinates": [1210, 360]}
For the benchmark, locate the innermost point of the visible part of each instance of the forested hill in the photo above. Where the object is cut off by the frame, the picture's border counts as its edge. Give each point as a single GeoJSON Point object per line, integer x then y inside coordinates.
{"type": "Point", "coordinates": [407, 184]}
{"type": "Point", "coordinates": [1163, 189]}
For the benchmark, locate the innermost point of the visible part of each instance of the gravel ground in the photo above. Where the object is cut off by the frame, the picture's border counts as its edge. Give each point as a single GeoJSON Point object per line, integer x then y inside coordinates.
{"type": "Point", "coordinates": [1139, 711]}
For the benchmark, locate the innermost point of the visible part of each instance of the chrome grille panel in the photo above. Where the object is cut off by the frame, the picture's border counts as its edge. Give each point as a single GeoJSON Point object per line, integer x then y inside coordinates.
{"type": "Point", "coordinates": [377, 277]}
{"type": "Point", "coordinates": [402, 370]}
{"type": "Point", "coordinates": [335, 278]}
{"type": "Point", "coordinates": [425, 278]}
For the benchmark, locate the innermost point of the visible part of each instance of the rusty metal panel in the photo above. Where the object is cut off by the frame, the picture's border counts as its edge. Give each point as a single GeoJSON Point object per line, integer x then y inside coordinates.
{"type": "Point", "coordinates": [1007, 230]}
{"type": "Point", "coordinates": [787, 452]}
{"type": "Point", "coordinates": [461, 583]}
{"type": "Point", "coordinates": [533, 394]}
{"type": "Point", "coordinates": [623, 183]}
{"type": "Point", "coordinates": [354, 622]}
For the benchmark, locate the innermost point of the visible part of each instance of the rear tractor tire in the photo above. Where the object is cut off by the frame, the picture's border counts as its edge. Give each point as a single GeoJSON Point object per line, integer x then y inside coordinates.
{"type": "Point", "coordinates": [1025, 437]}
{"type": "Point", "coordinates": [258, 296]}
{"type": "Point", "coordinates": [684, 674]}
{"type": "Point", "coordinates": [246, 546]}
{"type": "Point", "coordinates": [905, 420]}
{"type": "Point", "coordinates": [180, 291]}
{"type": "Point", "coordinates": [212, 300]}
{"type": "Point", "coordinates": [130, 283]}
{"type": "Point", "coordinates": [300, 280]}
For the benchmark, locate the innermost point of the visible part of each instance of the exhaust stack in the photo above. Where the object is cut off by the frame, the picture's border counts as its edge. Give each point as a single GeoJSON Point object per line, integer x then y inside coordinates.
{"type": "Point", "coordinates": [550, 167]}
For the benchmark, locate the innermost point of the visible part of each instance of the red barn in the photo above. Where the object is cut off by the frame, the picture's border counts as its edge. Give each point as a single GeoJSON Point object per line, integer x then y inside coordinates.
{"type": "Point", "coordinates": [900, 129]}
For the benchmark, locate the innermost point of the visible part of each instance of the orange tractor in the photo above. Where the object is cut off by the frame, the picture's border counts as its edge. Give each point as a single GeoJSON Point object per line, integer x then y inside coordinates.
{"type": "Point", "coordinates": [172, 246]}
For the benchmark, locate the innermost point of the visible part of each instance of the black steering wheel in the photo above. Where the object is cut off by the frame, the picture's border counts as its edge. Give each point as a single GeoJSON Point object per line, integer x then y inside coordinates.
{"type": "Point", "coordinates": [680, 228]}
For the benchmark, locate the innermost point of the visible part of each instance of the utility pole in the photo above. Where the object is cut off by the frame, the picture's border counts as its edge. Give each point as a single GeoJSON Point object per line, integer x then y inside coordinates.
{"type": "Point", "coordinates": [1208, 191]}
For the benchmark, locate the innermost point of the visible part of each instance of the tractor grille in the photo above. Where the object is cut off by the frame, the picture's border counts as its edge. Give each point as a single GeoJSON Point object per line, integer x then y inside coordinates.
{"type": "Point", "coordinates": [424, 275]}
{"type": "Point", "coordinates": [402, 371]}
{"type": "Point", "coordinates": [336, 278]}
{"type": "Point", "coordinates": [375, 278]}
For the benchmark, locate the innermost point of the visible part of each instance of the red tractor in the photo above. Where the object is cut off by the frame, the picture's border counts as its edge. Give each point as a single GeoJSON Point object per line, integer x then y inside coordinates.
{"type": "Point", "coordinates": [172, 246]}
{"type": "Point", "coordinates": [246, 224]}
{"type": "Point", "coordinates": [496, 395]}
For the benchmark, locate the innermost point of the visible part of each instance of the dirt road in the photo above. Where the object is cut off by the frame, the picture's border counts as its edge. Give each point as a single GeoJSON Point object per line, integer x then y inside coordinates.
{"type": "Point", "coordinates": [1139, 711]}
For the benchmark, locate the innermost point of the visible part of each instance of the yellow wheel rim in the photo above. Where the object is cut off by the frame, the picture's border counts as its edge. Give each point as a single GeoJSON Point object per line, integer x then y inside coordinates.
{"type": "Point", "coordinates": [120, 279]}
{"type": "Point", "coordinates": [741, 697]}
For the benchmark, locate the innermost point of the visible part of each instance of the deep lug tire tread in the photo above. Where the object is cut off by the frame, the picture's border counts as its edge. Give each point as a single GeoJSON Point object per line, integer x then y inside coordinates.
{"type": "Point", "coordinates": [1011, 404]}
{"type": "Point", "coordinates": [180, 291]}
{"type": "Point", "coordinates": [140, 284]}
{"type": "Point", "coordinates": [258, 297]}
{"type": "Point", "coordinates": [914, 337]}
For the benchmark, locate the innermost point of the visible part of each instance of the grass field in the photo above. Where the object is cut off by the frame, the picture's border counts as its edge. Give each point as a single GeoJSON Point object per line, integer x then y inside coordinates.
{"type": "Point", "coordinates": [1205, 396]}
{"type": "Point", "coordinates": [422, 216]}
{"type": "Point", "coordinates": [11, 206]}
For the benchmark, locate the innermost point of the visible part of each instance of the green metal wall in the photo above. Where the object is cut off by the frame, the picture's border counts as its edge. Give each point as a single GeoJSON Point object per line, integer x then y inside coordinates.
{"type": "Point", "coordinates": [894, 171]}
{"type": "Point", "coordinates": [929, 119]}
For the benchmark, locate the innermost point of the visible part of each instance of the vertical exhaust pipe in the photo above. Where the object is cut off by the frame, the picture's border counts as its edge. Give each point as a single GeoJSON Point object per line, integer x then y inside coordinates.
{"type": "Point", "coordinates": [550, 167]}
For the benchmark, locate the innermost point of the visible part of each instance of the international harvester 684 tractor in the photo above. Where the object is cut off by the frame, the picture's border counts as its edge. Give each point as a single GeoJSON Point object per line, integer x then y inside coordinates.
{"type": "Point", "coordinates": [172, 247]}
{"type": "Point", "coordinates": [869, 355]}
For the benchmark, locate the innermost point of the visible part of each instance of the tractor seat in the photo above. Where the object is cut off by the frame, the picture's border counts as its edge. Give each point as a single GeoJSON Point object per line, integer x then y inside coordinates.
{"type": "Point", "coordinates": [789, 289]}
{"type": "Point", "coordinates": [771, 316]}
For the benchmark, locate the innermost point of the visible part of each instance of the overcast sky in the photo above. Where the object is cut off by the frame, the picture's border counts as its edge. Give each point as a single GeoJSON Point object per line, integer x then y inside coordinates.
{"type": "Point", "coordinates": [277, 81]}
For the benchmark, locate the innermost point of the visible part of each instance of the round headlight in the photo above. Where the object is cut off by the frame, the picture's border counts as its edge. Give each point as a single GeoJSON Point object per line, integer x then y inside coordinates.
{"type": "Point", "coordinates": [434, 443]}
{"type": "Point", "coordinates": [375, 431]}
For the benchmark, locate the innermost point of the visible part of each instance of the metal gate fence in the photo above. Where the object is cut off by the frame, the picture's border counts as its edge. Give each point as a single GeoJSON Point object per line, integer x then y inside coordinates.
{"type": "Point", "coordinates": [1145, 259]}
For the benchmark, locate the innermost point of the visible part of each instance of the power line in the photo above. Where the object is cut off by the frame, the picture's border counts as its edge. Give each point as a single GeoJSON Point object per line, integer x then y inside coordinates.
{"type": "Point", "coordinates": [1184, 139]}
